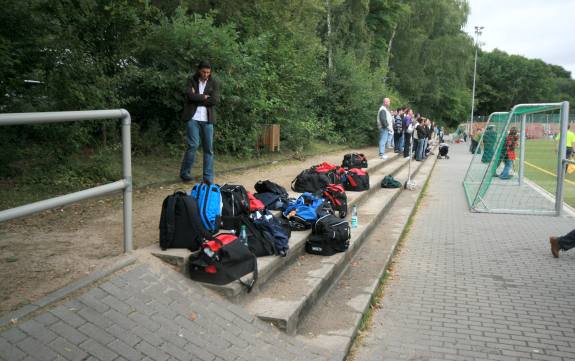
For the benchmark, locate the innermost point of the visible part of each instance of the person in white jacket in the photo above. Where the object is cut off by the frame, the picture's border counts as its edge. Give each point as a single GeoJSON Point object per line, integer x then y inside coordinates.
{"type": "Point", "coordinates": [385, 125]}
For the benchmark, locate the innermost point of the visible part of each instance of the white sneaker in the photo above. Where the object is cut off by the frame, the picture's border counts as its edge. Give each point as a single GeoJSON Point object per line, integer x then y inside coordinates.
{"type": "Point", "coordinates": [406, 157]}
{"type": "Point", "coordinates": [383, 157]}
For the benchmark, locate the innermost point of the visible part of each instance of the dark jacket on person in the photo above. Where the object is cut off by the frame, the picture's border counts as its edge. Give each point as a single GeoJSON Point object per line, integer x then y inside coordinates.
{"type": "Point", "coordinates": [193, 99]}
{"type": "Point", "coordinates": [421, 131]}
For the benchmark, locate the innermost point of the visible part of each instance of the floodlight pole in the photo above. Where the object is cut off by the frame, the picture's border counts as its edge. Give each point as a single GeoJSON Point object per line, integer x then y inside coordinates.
{"type": "Point", "coordinates": [478, 30]}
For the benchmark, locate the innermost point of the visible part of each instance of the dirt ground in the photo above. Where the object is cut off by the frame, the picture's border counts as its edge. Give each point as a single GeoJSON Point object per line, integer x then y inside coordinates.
{"type": "Point", "coordinates": [44, 252]}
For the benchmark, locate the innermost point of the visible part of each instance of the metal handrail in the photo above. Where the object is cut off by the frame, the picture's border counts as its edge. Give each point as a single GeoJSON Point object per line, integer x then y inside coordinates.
{"type": "Point", "coordinates": [124, 184]}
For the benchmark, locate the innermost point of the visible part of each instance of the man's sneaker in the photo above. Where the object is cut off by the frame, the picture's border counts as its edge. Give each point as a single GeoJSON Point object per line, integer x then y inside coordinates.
{"type": "Point", "coordinates": [186, 178]}
{"type": "Point", "coordinates": [406, 157]}
{"type": "Point", "coordinates": [383, 157]}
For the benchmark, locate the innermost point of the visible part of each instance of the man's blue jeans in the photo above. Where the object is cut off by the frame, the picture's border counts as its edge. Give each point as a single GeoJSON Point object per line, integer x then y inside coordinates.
{"type": "Point", "coordinates": [383, 135]}
{"type": "Point", "coordinates": [505, 173]}
{"type": "Point", "coordinates": [420, 152]}
{"type": "Point", "coordinates": [197, 132]}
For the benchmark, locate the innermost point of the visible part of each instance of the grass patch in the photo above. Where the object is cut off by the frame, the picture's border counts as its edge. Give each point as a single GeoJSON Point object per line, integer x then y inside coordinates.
{"type": "Point", "coordinates": [542, 154]}
{"type": "Point", "coordinates": [83, 171]}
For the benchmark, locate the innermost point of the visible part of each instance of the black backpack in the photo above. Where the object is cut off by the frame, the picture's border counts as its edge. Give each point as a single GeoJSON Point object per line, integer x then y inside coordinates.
{"type": "Point", "coordinates": [354, 160]}
{"type": "Point", "coordinates": [180, 223]}
{"type": "Point", "coordinates": [235, 204]}
{"type": "Point", "coordinates": [310, 181]}
{"type": "Point", "coordinates": [223, 259]}
{"type": "Point", "coordinates": [330, 235]}
{"type": "Point", "coordinates": [268, 186]}
{"type": "Point", "coordinates": [259, 243]}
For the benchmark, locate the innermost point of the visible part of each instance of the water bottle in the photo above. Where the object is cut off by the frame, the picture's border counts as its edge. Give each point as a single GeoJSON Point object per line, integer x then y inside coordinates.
{"type": "Point", "coordinates": [354, 220]}
{"type": "Point", "coordinates": [244, 235]}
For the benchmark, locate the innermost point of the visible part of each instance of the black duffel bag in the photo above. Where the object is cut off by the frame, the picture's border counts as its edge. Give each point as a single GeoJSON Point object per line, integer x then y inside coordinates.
{"type": "Point", "coordinates": [310, 181]}
{"type": "Point", "coordinates": [223, 259]}
{"type": "Point", "coordinates": [330, 235]}
{"type": "Point", "coordinates": [354, 160]}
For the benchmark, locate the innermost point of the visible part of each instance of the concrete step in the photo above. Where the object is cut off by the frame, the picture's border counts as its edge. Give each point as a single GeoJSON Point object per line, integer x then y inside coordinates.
{"type": "Point", "coordinates": [270, 265]}
{"type": "Point", "coordinates": [334, 320]}
{"type": "Point", "coordinates": [287, 298]}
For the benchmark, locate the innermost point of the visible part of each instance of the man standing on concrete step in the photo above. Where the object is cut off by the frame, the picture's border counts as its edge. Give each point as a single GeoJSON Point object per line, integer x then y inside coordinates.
{"type": "Point", "coordinates": [385, 125]}
{"type": "Point", "coordinates": [202, 97]}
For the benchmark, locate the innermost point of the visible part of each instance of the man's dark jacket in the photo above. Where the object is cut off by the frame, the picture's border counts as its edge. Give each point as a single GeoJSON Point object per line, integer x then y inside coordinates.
{"type": "Point", "coordinates": [193, 99]}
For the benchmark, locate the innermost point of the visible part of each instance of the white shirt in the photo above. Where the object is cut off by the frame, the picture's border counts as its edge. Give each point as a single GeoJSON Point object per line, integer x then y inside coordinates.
{"type": "Point", "coordinates": [201, 114]}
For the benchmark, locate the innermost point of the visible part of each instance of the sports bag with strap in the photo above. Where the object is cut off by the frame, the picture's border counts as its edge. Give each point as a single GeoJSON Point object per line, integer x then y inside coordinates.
{"type": "Point", "coordinates": [275, 229]}
{"type": "Point", "coordinates": [330, 235]}
{"type": "Point", "coordinates": [356, 180]}
{"type": "Point", "coordinates": [335, 195]}
{"type": "Point", "coordinates": [209, 201]}
{"type": "Point", "coordinates": [303, 212]}
{"type": "Point", "coordinates": [334, 172]}
{"type": "Point", "coordinates": [223, 259]}
{"type": "Point", "coordinates": [180, 223]}
{"type": "Point", "coordinates": [259, 243]}
{"type": "Point", "coordinates": [354, 160]}
{"type": "Point", "coordinates": [235, 205]}
{"type": "Point", "coordinates": [310, 181]}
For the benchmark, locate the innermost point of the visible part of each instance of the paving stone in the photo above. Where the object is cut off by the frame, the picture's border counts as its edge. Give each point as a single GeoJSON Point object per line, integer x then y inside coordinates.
{"type": "Point", "coordinates": [125, 350]}
{"type": "Point", "coordinates": [67, 350]}
{"type": "Point", "coordinates": [68, 332]}
{"type": "Point", "coordinates": [38, 331]}
{"type": "Point", "coordinates": [9, 351]}
{"type": "Point", "coordinates": [37, 349]}
{"type": "Point", "coordinates": [94, 332]}
{"type": "Point", "coordinates": [97, 350]}
{"type": "Point", "coordinates": [487, 278]}
{"type": "Point", "coordinates": [68, 316]}
{"type": "Point", "coordinates": [13, 335]}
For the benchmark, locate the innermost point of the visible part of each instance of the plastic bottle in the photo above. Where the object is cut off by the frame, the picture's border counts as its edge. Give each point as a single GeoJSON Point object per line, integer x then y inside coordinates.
{"type": "Point", "coordinates": [244, 235]}
{"type": "Point", "coordinates": [354, 219]}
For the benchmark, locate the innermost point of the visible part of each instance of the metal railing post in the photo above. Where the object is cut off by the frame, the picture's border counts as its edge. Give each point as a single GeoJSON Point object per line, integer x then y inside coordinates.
{"type": "Point", "coordinates": [127, 174]}
{"type": "Point", "coordinates": [124, 185]}
{"type": "Point", "coordinates": [561, 154]}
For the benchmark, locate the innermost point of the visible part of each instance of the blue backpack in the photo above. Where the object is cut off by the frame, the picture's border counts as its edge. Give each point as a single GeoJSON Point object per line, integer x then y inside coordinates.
{"type": "Point", "coordinates": [209, 201]}
{"type": "Point", "coordinates": [303, 212]}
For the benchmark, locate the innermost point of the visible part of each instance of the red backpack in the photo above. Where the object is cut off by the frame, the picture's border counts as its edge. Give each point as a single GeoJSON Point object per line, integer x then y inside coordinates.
{"type": "Point", "coordinates": [335, 195]}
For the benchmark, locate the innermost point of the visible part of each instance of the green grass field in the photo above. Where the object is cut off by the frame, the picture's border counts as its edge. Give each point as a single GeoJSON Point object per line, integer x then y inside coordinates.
{"type": "Point", "coordinates": [541, 168]}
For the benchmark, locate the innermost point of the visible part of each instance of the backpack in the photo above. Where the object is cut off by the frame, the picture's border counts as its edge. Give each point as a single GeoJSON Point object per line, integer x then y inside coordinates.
{"type": "Point", "coordinates": [259, 243]}
{"type": "Point", "coordinates": [276, 230]}
{"type": "Point", "coordinates": [180, 223]}
{"type": "Point", "coordinates": [330, 235]}
{"type": "Point", "coordinates": [223, 259]}
{"type": "Point", "coordinates": [356, 180]}
{"type": "Point", "coordinates": [303, 212]}
{"type": "Point", "coordinates": [390, 182]}
{"type": "Point", "coordinates": [268, 186]}
{"type": "Point", "coordinates": [354, 160]}
{"type": "Point", "coordinates": [310, 181]}
{"type": "Point", "coordinates": [209, 201]}
{"type": "Point", "coordinates": [235, 204]}
{"type": "Point", "coordinates": [398, 124]}
{"type": "Point", "coordinates": [335, 195]}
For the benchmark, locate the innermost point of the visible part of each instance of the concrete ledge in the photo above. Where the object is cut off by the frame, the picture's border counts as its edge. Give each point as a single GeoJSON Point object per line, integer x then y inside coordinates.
{"type": "Point", "coordinates": [309, 284]}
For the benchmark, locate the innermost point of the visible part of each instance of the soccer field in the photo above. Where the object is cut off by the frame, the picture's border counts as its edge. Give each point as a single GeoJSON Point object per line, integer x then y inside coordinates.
{"type": "Point", "coordinates": [541, 168]}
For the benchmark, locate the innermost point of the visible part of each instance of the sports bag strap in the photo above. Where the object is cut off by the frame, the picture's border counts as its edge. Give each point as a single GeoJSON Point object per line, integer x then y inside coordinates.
{"type": "Point", "coordinates": [171, 218]}
{"type": "Point", "coordinates": [292, 184]}
{"type": "Point", "coordinates": [255, 232]}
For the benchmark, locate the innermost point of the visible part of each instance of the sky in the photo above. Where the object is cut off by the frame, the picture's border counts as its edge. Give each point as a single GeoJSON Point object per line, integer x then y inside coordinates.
{"type": "Point", "coordinates": [536, 29]}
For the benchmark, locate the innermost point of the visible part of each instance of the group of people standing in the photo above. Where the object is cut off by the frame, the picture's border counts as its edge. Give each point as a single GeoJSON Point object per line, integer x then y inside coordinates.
{"type": "Point", "coordinates": [401, 130]}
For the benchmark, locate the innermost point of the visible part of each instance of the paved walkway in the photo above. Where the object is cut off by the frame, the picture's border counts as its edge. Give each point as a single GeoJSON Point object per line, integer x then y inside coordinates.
{"type": "Point", "coordinates": [149, 313]}
{"type": "Point", "coordinates": [475, 286]}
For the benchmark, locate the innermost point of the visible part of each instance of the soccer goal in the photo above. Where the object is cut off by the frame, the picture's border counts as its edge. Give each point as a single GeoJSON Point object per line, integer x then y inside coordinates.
{"type": "Point", "coordinates": [519, 165]}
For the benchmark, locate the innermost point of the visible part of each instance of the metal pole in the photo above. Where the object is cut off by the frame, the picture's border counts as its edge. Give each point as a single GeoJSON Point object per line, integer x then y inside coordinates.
{"type": "Point", "coordinates": [477, 33]}
{"type": "Point", "coordinates": [127, 174]}
{"type": "Point", "coordinates": [522, 139]}
{"type": "Point", "coordinates": [561, 154]}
